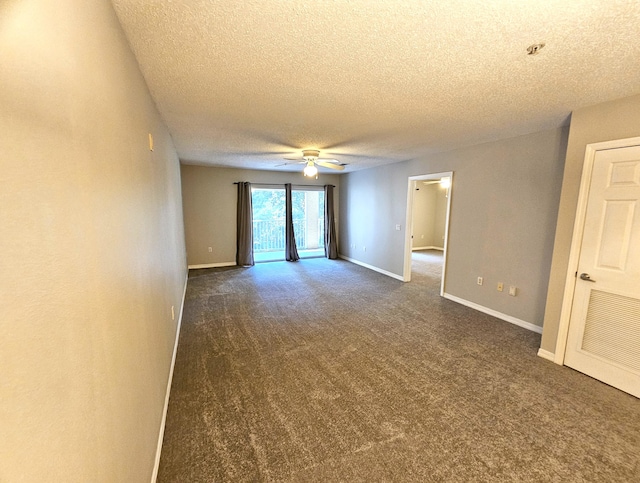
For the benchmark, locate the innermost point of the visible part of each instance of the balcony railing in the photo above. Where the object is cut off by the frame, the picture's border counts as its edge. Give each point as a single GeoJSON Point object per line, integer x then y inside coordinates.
{"type": "Point", "coordinates": [268, 235]}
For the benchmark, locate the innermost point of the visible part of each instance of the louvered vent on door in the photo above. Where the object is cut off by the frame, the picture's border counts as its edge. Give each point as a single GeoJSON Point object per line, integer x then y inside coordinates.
{"type": "Point", "coordinates": [612, 328]}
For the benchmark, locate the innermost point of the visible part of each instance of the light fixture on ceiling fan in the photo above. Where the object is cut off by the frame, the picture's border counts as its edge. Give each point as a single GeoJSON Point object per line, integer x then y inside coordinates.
{"type": "Point", "coordinates": [310, 156]}
{"type": "Point", "coordinates": [311, 159]}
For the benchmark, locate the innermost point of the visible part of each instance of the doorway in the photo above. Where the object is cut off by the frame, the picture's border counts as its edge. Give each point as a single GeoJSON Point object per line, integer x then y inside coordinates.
{"type": "Point", "coordinates": [427, 223]}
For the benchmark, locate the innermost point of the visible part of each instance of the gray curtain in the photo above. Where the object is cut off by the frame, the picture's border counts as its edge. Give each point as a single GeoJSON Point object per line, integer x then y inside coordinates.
{"type": "Point", "coordinates": [244, 232]}
{"type": "Point", "coordinates": [290, 249]}
{"type": "Point", "coordinates": [330, 242]}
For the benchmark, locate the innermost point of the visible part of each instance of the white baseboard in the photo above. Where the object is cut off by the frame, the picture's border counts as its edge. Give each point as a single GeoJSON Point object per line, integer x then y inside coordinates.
{"type": "Point", "coordinates": [156, 466]}
{"type": "Point", "coordinates": [371, 267]}
{"type": "Point", "coordinates": [495, 313]}
{"type": "Point", "coordinates": [213, 265]}
{"type": "Point", "coordinates": [427, 248]}
{"type": "Point", "coordinates": [550, 356]}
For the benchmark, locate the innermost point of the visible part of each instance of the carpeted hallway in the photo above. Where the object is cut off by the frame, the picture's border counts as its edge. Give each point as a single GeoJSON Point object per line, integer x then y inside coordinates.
{"type": "Point", "coordinates": [325, 371]}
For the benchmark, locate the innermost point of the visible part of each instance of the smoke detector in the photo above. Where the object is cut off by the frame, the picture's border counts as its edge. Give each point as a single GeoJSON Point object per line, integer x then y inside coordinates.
{"type": "Point", "coordinates": [534, 49]}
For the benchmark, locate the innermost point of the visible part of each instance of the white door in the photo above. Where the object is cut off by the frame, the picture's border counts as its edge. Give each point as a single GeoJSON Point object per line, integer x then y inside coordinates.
{"type": "Point", "coordinates": [604, 329]}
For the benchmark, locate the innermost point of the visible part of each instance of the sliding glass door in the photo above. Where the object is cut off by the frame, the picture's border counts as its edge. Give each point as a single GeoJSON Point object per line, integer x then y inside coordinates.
{"type": "Point", "coordinates": [308, 222]}
{"type": "Point", "coordinates": [269, 223]}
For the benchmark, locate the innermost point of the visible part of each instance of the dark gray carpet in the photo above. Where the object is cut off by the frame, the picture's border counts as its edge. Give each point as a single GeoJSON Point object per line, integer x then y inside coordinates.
{"type": "Point", "coordinates": [325, 371]}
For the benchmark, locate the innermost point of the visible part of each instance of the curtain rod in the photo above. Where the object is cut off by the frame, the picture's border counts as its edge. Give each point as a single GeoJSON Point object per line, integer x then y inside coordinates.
{"type": "Point", "coordinates": [292, 184]}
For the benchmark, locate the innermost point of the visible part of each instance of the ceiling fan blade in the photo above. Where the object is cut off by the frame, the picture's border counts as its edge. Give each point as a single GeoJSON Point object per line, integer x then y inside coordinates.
{"type": "Point", "coordinates": [326, 164]}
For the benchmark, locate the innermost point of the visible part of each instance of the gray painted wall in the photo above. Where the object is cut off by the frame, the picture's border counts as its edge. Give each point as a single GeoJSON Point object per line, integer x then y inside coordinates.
{"type": "Point", "coordinates": [429, 215]}
{"type": "Point", "coordinates": [618, 119]}
{"type": "Point", "coordinates": [505, 198]}
{"type": "Point", "coordinates": [439, 225]}
{"type": "Point", "coordinates": [209, 204]}
{"type": "Point", "coordinates": [424, 203]}
{"type": "Point", "coordinates": [91, 251]}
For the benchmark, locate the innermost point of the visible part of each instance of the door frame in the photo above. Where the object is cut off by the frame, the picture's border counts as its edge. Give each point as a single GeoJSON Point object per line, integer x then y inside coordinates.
{"type": "Point", "coordinates": [576, 240]}
{"type": "Point", "coordinates": [406, 273]}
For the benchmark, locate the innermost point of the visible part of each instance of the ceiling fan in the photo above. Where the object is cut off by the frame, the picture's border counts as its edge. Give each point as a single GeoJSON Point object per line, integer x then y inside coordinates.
{"type": "Point", "coordinates": [312, 161]}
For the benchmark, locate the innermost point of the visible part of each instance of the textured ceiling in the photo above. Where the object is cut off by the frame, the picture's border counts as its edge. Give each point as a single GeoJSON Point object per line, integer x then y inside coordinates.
{"type": "Point", "coordinates": [247, 83]}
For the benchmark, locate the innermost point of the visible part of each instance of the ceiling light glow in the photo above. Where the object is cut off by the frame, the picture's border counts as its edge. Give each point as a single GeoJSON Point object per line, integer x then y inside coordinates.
{"type": "Point", "coordinates": [310, 170]}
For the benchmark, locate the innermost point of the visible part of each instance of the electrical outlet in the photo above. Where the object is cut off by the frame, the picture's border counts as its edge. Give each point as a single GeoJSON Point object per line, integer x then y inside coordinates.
{"type": "Point", "coordinates": [480, 280]}
{"type": "Point", "coordinates": [398, 227]}
{"type": "Point", "coordinates": [500, 286]}
{"type": "Point", "coordinates": [512, 290]}
{"type": "Point", "coordinates": [210, 249]}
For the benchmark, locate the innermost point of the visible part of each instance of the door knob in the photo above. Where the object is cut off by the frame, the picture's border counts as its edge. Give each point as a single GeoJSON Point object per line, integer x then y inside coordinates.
{"type": "Point", "coordinates": [586, 277]}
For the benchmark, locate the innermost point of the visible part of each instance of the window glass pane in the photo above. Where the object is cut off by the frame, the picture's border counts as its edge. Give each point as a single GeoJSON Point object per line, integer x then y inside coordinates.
{"type": "Point", "coordinates": [308, 222]}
